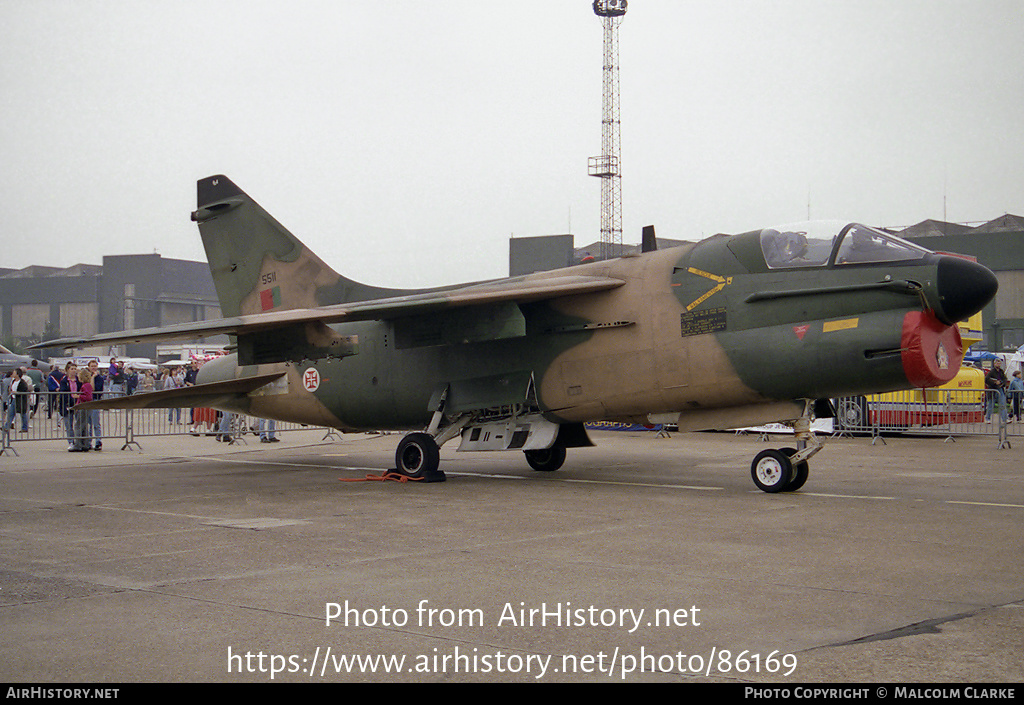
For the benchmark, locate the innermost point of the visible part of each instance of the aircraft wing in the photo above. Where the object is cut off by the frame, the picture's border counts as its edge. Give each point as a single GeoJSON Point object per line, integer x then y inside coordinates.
{"type": "Point", "coordinates": [517, 290]}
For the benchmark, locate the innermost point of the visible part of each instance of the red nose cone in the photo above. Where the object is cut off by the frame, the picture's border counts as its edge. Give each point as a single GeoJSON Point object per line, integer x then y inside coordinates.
{"type": "Point", "coordinates": [932, 351]}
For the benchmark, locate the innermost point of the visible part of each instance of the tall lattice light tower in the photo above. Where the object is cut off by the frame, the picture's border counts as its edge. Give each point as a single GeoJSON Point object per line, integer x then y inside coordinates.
{"type": "Point", "coordinates": [606, 167]}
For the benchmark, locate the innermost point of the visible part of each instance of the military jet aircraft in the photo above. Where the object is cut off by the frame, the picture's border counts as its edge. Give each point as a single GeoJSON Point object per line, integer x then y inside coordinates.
{"type": "Point", "coordinates": [10, 359]}
{"type": "Point", "coordinates": [731, 331]}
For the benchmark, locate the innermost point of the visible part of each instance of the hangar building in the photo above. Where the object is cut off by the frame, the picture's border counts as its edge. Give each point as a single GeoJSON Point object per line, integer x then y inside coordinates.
{"type": "Point", "coordinates": [126, 291]}
{"type": "Point", "coordinates": [999, 245]}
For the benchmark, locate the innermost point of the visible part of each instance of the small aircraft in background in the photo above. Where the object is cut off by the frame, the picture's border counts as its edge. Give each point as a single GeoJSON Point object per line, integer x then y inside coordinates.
{"type": "Point", "coordinates": [732, 331]}
{"type": "Point", "coordinates": [9, 359]}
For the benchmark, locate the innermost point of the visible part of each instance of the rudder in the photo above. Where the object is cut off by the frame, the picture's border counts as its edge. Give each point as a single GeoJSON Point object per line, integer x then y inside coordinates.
{"type": "Point", "coordinates": [257, 264]}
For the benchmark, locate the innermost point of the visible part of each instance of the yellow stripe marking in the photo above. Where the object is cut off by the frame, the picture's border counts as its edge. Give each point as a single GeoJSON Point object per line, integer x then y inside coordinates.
{"type": "Point", "coordinates": [845, 324]}
{"type": "Point", "coordinates": [712, 277]}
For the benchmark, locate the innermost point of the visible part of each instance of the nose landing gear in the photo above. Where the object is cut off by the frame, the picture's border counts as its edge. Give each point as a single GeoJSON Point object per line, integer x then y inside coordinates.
{"type": "Point", "coordinates": [786, 469]}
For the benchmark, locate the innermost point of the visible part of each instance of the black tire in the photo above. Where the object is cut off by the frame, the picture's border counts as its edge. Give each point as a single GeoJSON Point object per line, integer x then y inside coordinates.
{"type": "Point", "coordinates": [771, 470]}
{"type": "Point", "coordinates": [546, 460]}
{"type": "Point", "coordinates": [801, 471]}
{"type": "Point", "coordinates": [417, 455]}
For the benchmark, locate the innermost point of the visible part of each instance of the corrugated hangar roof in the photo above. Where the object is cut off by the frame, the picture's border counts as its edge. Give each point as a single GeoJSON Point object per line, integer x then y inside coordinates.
{"type": "Point", "coordinates": [931, 228]}
{"type": "Point", "coordinates": [1004, 223]}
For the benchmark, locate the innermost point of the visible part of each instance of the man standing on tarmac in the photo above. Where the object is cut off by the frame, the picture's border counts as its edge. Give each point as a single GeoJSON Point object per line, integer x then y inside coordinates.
{"type": "Point", "coordinates": [190, 381]}
{"type": "Point", "coordinates": [35, 376]}
{"type": "Point", "coordinates": [995, 390]}
{"type": "Point", "coordinates": [66, 401]}
{"type": "Point", "coordinates": [21, 390]}
{"type": "Point", "coordinates": [96, 429]}
{"type": "Point", "coordinates": [53, 381]}
{"type": "Point", "coordinates": [5, 384]}
{"type": "Point", "coordinates": [115, 378]}
{"type": "Point", "coordinates": [1016, 393]}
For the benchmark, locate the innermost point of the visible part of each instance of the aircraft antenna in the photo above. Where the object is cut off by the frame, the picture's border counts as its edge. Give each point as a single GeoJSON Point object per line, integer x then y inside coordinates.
{"type": "Point", "coordinates": [606, 167]}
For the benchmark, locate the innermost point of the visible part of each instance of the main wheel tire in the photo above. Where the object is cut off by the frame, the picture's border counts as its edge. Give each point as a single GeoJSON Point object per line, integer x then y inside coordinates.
{"type": "Point", "coordinates": [417, 455]}
{"type": "Point", "coordinates": [801, 471]}
{"type": "Point", "coordinates": [546, 460]}
{"type": "Point", "coordinates": [771, 470]}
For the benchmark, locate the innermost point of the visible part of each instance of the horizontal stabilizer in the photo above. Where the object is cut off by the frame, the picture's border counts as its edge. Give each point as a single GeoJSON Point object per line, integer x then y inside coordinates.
{"type": "Point", "coordinates": [211, 395]}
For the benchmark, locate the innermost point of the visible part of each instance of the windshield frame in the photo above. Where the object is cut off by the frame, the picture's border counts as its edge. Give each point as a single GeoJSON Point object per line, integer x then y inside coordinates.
{"type": "Point", "coordinates": [892, 245]}
{"type": "Point", "coordinates": [820, 244]}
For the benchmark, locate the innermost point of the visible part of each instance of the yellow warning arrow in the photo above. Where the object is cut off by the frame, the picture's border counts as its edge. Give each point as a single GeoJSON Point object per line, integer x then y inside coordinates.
{"type": "Point", "coordinates": [722, 283]}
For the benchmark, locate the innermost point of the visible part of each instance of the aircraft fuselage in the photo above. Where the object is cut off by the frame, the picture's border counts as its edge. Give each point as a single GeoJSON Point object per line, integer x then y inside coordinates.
{"type": "Point", "coordinates": [694, 328]}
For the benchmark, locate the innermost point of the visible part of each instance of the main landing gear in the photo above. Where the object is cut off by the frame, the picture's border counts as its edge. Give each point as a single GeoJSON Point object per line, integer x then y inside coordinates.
{"type": "Point", "coordinates": [786, 469]}
{"type": "Point", "coordinates": [418, 457]}
{"type": "Point", "coordinates": [543, 442]}
{"type": "Point", "coordinates": [546, 460]}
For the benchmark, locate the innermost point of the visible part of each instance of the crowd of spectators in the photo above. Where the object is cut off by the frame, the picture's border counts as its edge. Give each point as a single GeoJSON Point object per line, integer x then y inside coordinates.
{"type": "Point", "coordinates": [60, 391]}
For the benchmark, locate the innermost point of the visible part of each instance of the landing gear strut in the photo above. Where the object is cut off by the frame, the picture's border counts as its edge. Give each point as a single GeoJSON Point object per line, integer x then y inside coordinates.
{"type": "Point", "coordinates": [786, 469]}
{"type": "Point", "coordinates": [801, 470]}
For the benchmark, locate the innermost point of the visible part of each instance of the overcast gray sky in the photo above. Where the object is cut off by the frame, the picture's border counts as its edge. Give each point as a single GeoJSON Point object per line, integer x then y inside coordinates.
{"type": "Point", "coordinates": [405, 141]}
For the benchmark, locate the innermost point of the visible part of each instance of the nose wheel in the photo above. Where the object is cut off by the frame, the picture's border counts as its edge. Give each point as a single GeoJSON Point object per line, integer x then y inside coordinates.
{"type": "Point", "coordinates": [772, 470]}
{"type": "Point", "coordinates": [786, 469]}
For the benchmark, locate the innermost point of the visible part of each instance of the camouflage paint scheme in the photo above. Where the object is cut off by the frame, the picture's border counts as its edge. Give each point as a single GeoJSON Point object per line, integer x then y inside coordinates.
{"type": "Point", "coordinates": [707, 334]}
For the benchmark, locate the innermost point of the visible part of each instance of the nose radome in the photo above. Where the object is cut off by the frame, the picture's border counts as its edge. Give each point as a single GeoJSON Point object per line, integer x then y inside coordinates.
{"type": "Point", "coordinates": [964, 288]}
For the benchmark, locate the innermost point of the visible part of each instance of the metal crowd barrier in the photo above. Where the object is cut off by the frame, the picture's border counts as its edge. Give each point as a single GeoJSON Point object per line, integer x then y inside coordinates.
{"type": "Point", "coordinates": [945, 412]}
{"type": "Point", "coordinates": [948, 412]}
{"type": "Point", "coordinates": [121, 428]}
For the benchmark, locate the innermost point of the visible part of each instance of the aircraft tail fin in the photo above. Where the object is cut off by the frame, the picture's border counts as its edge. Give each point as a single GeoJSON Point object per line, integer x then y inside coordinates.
{"type": "Point", "coordinates": [257, 264]}
{"type": "Point", "coordinates": [648, 243]}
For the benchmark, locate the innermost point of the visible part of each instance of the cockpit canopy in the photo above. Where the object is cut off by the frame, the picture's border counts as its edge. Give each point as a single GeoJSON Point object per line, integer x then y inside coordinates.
{"type": "Point", "coordinates": [818, 244]}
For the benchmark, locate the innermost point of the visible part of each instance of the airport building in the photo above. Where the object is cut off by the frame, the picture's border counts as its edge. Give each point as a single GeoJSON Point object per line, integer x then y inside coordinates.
{"type": "Point", "coordinates": [999, 245]}
{"type": "Point", "coordinates": [126, 291]}
{"type": "Point", "coordinates": [543, 253]}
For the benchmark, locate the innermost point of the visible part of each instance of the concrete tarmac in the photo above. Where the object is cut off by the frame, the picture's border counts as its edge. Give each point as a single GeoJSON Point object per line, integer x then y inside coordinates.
{"type": "Point", "coordinates": [642, 559]}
